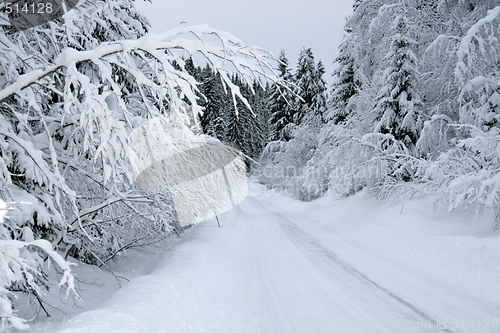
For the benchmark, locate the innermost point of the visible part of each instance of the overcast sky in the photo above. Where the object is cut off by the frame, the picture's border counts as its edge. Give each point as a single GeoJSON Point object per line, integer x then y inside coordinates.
{"type": "Point", "coordinates": [270, 24]}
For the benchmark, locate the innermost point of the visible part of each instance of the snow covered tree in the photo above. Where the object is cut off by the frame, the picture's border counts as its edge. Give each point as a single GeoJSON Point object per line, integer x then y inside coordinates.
{"type": "Point", "coordinates": [260, 105]}
{"type": "Point", "coordinates": [466, 173]}
{"type": "Point", "coordinates": [306, 80]}
{"type": "Point", "coordinates": [398, 103]}
{"type": "Point", "coordinates": [280, 103]}
{"type": "Point", "coordinates": [191, 68]}
{"type": "Point", "coordinates": [23, 260]}
{"type": "Point", "coordinates": [320, 99]}
{"type": "Point", "coordinates": [71, 93]}
{"type": "Point", "coordinates": [218, 124]}
{"type": "Point", "coordinates": [345, 84]}
{"type": "Point", "coordinates": [311, 86]}
{"type": "Point", "coordinates": [218, 106]}
{"type": "Point", "coordinates": [437, 119]}
{"type": "Point", "coordinates": [478, 73]}
{"type": "Point", "coordinates": [214, 102]}
{"type": "Point", "coordinates": [244, 129]}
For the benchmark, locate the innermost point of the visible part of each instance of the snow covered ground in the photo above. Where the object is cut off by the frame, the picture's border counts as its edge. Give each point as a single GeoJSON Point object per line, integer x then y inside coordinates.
{"type": "Point", "coordinates": [281, 265]}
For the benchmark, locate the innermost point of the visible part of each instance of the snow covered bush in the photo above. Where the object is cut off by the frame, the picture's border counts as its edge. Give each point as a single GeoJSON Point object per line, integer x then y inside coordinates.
{"type": "Point", "coordinates": [468, 172]}
{"type": "Point", "coordinates": [23, 261]}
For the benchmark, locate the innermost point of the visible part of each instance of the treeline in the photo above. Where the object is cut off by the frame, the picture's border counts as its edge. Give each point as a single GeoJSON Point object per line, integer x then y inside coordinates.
{"type": "Point", "coordinates": [228, 120]}
{"type": "Point", "coordinates": [276, 111]}
{"type": "Point", "coordinates": [414, 108]}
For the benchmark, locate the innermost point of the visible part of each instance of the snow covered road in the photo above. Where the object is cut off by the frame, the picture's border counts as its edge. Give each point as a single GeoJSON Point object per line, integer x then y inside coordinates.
{"type": "Point", "coordinates": [272, 267]}
{"type": "Point", "coordinates": [314, 289]}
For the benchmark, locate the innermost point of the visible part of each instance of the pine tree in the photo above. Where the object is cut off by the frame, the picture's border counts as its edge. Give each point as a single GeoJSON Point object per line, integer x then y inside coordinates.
{"type": "Point", "coordinates": [217, 126]}
{"type": "Point", "coordinates": [306, 82]}
{"type": "Point", "coordinates": [192, 70]}
{"type": "Point", "coordinates": [260, 105]}
{"type": "Point", "coordinates": [214, 102]}
{"type": "Point", "coordinates": [398, 103]}
{"type": "Point", "coordinates": [345, 84]}
{"type": "Point", "coordinates": [244, 129]}
{"type": "Point", "coordinates": [280, 103]}
{"type": "Point", "coordinates": [320, 98]}
{"type": "Point", "coordinates": [311, 85]}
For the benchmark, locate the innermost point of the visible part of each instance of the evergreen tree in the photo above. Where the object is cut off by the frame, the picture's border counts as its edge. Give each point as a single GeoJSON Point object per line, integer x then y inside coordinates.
{"type": "Point", "coordinates": [214, 102]}
{"type": "Point", "coordinates": [260, 105]}
{"type": "Point", "coordinates": [311, 85]}
{"type": "Point", "coordinates": [244, 129]}
{"type": "Point", "coordinates": [217, 126]}
{"type": "Point", "coordinates": [398, 103]}
{"type": "Point", "coordinates": [319, 102]}
{"type": "Point", "coordinates": [345, 84]}
{"type": "Point", "coordinates": [280, 100]}
{"type": "Point", "coordinates": [305, 78]}
{"type": "Point", "coordinates": [192, 70]}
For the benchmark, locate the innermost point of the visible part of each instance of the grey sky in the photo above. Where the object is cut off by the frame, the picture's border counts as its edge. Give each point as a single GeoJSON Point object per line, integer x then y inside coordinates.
{"type": "Point", "coordinates": [270, 24]}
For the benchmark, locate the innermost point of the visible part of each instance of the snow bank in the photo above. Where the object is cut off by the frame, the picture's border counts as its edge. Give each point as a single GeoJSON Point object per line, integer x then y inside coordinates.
{"type": "Point", "coordinates": [191, 289]}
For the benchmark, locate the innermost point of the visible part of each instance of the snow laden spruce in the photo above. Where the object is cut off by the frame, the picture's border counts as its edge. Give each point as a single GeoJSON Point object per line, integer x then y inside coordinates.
{"type": "Point", "coordinates": [71, 92]}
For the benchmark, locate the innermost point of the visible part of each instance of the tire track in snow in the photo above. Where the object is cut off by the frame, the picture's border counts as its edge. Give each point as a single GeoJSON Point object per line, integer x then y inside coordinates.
{"type": "Point", "coordinates": [318, 255]}
{"type": "Point", "coordinates": [264, 303]}
{"type": "Point", "coordinates": [253, 310]}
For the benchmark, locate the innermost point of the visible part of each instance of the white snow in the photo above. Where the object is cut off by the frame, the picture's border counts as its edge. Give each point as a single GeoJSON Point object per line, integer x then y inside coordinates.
{"type": "Point", "coordinates": [281, 265]}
